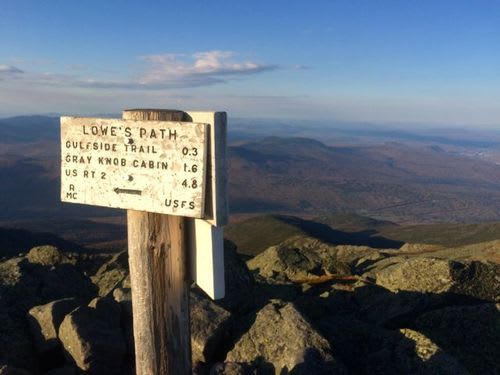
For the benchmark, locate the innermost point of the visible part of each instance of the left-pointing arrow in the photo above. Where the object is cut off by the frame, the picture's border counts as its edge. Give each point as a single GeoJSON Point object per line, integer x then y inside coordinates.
{"type": "Point", "coordinates": [127, 191]}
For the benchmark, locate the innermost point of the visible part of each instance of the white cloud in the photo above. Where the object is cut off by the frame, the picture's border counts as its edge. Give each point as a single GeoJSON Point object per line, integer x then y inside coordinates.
{"type": "Point", "coordinates": [163, 71]}
{"type": "Point", "coordinates": [167, 67]}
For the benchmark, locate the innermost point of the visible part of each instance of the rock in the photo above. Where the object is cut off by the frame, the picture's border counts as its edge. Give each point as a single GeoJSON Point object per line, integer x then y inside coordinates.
{"type": "Point", "coordinates": [429, 275]}
{"type": "Point", "coordinates": [281, 338]}
{"type": "Point", "coordinates": [122, 295]}
{"type": "Point", "coordinates": [92, 337]}
{"type": "Point", "coordinates": [371, 270]}
{"type": "Point", "coordinates": [39, 284]}
{"type": "Point", "coordinates": [361, 264]}
{"type": "Point", "coordinates": [355, 256]}
{"type": "Point", "coordinates": [298, 259]}
{"type": "Point", "coordinates": [368, 349]}
{"type": "Point", "coordinates": [10, 272]}
{"type": "Point", "coordinates": [470, 333]}
{"type": "Point", "coordinates": [126, 282]}
{"type": "Point", "coordinates": [419, 248]}
{"type": "Point", "coordinates": [488, 251]}
{"type": "Point", "coordinates": [346, 254]}
{"type": "Point", "coordinates": [45, 255]}
{"type": "Point", "coordinates": [45, 321]}
{"type": "Point", "coordinates": [112, 273]}
{"type": "Point", "coordinates": [434, 359]}
{"type": "Point", "coordinates": [424, 275]}
{"type": "Point", "coordinates": [23, 285]}
{"type": "Point", "coordinates": [209, 327]}
{"type": "Point", "coordinates": [239, 282]}
{"type": "Point", "coordinates": [286, 264]}
{"type": "Point", "coordinates": [477, 279]}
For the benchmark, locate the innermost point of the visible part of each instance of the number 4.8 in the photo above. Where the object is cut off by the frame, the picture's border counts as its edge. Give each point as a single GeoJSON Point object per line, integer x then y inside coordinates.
{"type": "Point", "coordinates": [193, 185]}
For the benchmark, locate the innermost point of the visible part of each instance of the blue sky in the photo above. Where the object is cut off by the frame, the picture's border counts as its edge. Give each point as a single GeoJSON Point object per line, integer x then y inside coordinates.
{"type": "Point", "coordinates": [403, 61]}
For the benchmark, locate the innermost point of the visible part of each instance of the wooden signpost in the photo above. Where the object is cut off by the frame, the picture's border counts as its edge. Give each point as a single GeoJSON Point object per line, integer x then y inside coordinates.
{"type": "Point", "coordinates": [164, 167]}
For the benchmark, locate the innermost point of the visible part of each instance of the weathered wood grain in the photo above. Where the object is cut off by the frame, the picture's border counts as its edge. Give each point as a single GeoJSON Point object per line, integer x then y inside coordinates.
{"type": "Point", "coordinates": [160, 286]}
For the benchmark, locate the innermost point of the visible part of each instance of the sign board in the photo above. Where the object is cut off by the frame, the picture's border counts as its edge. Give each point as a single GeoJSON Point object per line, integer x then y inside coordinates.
{"type": "Point", "coordinates": [154, 166]}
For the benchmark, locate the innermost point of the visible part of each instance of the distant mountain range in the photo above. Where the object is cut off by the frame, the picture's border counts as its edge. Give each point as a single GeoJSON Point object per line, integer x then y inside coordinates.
{"type": "Point", "coordinates": [29, 129]}
{"type": "Point", "coordinates": [393, 181]}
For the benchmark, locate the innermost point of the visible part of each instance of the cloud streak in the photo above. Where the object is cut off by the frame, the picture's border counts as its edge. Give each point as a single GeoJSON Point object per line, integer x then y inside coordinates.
{"type": "Point", "coordinates": [9, 69]}
{"type": "Point", "coordinates": [163, 71]}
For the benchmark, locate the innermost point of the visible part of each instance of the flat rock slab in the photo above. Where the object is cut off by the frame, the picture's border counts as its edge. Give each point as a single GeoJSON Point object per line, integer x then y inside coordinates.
{"type": "Point", "coordinates": [299, 260]}
{"type": "Point", "coordinates": [430, 275]}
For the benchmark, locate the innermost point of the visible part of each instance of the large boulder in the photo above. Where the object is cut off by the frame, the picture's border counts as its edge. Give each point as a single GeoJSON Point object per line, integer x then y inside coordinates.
{"type": "Point", "coordinates": [430, 275]}
{"type": "Point", "coordinates": [345, 254]}
{"type": "Point", "coordinates": [470, 333]}
{"type": "Point", "coordinates": [45, 321]}
{"type": "Point", "coordinates": [39, 284]}
{"type": "Point", "coordinates": [93, 339]}
{"type": "Point", "coordinates": [286, 264]}
{"type": "Point", "coordinates": [46, 256]}
{"type": "Point", "coordinates": [283, 340]}
{"type": "Point", "coordinates": [298, 259]}
{"type": "Point", "coordinates": [210, 326]}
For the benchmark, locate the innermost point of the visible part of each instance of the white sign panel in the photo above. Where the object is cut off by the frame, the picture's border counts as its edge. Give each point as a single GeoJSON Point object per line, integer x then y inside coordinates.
{"type": "Point", "coordinates": [154, 166]}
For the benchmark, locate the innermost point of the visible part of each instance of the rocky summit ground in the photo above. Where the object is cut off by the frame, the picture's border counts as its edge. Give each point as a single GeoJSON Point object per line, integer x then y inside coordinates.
{"type": "Point", "coordinates": [302, 306]}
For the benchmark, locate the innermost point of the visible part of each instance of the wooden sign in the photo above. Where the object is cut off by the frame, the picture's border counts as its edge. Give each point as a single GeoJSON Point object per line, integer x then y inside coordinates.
{"type": "Point", "coordinates": [153, 166]}
{"type": "Point", "coordinates": [160, 171]}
